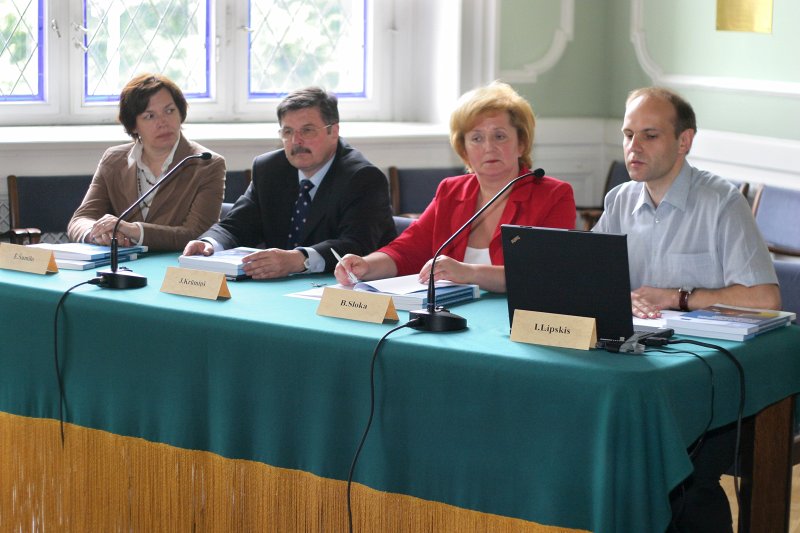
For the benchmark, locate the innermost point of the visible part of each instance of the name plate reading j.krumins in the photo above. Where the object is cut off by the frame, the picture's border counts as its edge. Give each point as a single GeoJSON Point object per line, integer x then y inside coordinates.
{"type": "Point", "coordinates": [26, 259]}
{"type": "Point", "coordinates": [357, 305]}
{"type": "Point", "coordinates": [195, 283]}
{"type": "Point", "coordinates": [565, 331]}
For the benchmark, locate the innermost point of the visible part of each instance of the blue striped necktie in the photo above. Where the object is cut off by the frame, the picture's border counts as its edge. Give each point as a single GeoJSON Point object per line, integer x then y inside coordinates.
{"type": "Point", "coordinates": [300, 213]}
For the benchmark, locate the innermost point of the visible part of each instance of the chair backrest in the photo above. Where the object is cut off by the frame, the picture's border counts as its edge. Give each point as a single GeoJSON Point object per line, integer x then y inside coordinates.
{"type": "Point", "coordinates": [224, 209]}
{"type": "Point", "coordinates": [45, 202]}
{"type": "Point", "coordinates": [789, 278]}
{"type": "Point", "coordinates": [401, 223]}
{"type": "Point", "coordinates": [412, 189]}
{"type": "Point", "coordinates": [236, 182]}
{"type": "Point", "coordinates": [617, 174]}
{"type": "Point", "coordinates": [777, 214]}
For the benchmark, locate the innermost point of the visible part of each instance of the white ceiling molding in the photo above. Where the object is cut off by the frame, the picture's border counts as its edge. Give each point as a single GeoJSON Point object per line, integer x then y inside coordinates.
{"type": "Point", "coordinates": [561, 37]}
{"type": "Point", "coordinates": [730, 84]}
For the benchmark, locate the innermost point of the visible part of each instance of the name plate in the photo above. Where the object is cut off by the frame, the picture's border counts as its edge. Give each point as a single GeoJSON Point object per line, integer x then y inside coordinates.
{"type": "Point", "coordinates": [195, 283]}
{"type": "Point", "coordinates": [357, 305]}
{"type": "Point", "coordinates": [26, 259]}
{"type": "Point", "coordinates": [565, 331]}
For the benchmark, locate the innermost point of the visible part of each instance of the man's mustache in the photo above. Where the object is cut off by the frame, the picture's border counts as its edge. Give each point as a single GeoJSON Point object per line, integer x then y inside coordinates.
{"type": "Point", "coordinates": [300, 150]}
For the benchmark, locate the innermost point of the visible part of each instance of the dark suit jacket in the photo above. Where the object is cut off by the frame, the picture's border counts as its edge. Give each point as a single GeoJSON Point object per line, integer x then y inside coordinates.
{"type": "Point", "coordinates": [351, 211]}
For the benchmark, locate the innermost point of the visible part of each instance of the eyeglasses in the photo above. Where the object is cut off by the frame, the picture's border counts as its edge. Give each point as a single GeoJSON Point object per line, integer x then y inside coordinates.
{"type": "Point", "coordinates": [306, 132]}
{"type": "Point", "coordinates": [478, 139]}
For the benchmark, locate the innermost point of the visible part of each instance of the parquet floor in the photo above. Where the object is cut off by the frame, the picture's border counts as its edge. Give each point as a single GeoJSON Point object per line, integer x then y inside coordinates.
{"type": "Point", "coordinates": [794, 516]}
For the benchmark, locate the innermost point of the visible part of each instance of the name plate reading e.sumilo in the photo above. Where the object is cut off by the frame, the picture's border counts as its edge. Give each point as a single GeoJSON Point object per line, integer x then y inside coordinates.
{"type": "Point", "coordinates": [357, 305]}
{"type": "Point", "coordinates": [565, 331]}
{"type": "Point", "coordinates": [26, 259]}
{"type": "Point", "coordinates": [195, 283]}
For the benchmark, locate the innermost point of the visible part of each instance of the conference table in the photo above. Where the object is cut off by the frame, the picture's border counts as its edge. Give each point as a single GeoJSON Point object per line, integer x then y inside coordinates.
{"type": "Point", "coordinates": [243, 414]}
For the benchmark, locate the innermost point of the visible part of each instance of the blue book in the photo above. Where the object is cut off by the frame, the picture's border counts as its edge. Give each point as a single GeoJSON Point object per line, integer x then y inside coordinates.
{"type": "Point", "coordinates": [229, 262]}
{"type": "Point", "coordinates": [86, 252]}
{"type": "Point", "coordinates": [77, 264]}
{"type": "Point", "coordinates": [408, 294]}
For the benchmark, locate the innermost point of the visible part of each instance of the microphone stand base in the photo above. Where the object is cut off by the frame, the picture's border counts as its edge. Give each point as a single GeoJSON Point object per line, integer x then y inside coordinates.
{"type": "Point", "coordinates": [121, 279]}
{"type": "Point", "coordinates": [437, 321]}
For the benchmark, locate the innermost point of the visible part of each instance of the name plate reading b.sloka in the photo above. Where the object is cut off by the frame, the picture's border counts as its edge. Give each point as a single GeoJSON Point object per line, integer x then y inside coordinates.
{"type": "Point", "coordinates": [565, 331]}
{"type": "Point", "coordinates": [357, 305]}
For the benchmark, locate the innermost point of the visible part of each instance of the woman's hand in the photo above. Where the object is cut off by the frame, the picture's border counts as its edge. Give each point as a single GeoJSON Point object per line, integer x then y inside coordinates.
{"type": "Point", "coordinates": [104, 227]}
{"type": "Point", "coordinates": [351, 263]}
{"type": "Point", "coordinates": [448, 268]}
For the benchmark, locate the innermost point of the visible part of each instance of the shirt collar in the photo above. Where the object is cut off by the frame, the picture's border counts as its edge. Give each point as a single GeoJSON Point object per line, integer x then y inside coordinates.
{"type": "Point", "coordinates": [677, 194]}
{"type": "Point", "coordinates": [316, 179]}
{"type": "Point", "coordinates": [135, 157]}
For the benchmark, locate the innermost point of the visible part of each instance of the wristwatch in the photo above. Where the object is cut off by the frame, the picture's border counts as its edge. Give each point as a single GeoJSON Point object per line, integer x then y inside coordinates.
{"type": "Point", "coordinates": [683, 297]}
{"type": "Point", "coordinates": [306, 262]}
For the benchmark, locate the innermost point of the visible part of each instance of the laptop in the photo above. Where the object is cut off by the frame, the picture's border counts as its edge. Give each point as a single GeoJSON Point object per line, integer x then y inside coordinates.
{"type": "Point", "coordinates": [569, 272]}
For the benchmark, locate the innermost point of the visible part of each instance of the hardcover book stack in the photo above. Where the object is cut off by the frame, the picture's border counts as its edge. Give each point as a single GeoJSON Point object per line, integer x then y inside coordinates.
{"type": "Point", "coordinates": [82, 256]}
{"type": "Point", "coordinates": [727, 322]}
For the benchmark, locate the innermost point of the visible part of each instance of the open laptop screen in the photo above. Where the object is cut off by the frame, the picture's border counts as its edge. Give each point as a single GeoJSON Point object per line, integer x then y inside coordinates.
{"type": "Point", "coordinates": [569, 272]}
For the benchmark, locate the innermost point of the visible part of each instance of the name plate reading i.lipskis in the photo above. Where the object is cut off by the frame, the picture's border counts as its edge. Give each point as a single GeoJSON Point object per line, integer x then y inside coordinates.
{"type": "Point", "coordinates": [565, 331]}
{"type": "Point", "coordinates": [195, 283]}
{"type": "Point", "coordinates": [357, 305]}
{"type": "Point", "coordinates": [26, 259]}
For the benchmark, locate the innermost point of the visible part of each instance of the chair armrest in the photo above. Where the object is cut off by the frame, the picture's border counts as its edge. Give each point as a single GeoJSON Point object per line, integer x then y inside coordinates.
{"type": "Point", "coordinates": [21, 235]}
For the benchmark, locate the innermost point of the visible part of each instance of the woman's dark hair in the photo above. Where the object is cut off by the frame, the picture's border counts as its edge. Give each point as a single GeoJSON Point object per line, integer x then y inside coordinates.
{"type": "Point", "coordinates": [136, 95]}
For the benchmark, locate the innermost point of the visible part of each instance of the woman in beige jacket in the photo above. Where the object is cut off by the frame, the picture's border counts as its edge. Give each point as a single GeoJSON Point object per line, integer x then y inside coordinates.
{"type": "Point", "coordinates": [151, 109]}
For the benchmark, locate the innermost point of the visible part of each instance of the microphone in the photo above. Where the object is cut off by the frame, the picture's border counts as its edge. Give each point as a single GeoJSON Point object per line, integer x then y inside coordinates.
{"type": "Point", "coordinates": [125, 279]}
{"type": "Point", "coordinates": [438, 319]}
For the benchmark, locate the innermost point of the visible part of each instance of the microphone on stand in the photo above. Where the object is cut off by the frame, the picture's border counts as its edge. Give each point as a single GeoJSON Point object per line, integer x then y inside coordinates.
{"type": "Point", "coordinates": [438, 319]}
{"type": "Point", "coordinates": [125, 279]}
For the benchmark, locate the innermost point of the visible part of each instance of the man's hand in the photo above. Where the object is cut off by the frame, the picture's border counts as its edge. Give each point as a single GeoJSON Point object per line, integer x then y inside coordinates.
{"type": "Point", "coordinates": [273, 263]}
{"type": "Point", "coordinates": [198, 248]}
{"type": "Point", "coordinates": [647, 302]}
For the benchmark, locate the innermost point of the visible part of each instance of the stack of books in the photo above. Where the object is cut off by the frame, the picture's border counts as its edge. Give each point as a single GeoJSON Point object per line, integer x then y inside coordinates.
{"type": "Point", "coordinates": [728, 322]}
{"type": "Point", "coordinates": [407, 292]}
{"type": "Point", "coordinates": [82, 256]}
{"type": "Point", "coordinates": [229, 262]}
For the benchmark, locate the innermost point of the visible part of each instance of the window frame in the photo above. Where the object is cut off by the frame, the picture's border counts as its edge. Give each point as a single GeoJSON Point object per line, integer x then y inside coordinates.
{"type": "Point", "coordinates": [414, 46]}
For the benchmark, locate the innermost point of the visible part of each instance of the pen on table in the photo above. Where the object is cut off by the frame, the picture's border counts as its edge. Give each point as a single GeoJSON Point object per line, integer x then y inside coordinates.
{"type": "Point", "coordinates": [352, 277]}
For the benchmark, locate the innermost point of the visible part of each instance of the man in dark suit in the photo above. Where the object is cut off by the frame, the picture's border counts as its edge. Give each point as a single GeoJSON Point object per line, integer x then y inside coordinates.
{"type": "Point", "coordinates": [315, 194]}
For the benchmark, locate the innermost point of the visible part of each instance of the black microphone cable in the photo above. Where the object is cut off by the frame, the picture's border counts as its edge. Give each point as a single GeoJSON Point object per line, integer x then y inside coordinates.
{"type": "Point", "coordinates": [93, 281]}
{"type": "Point", "coordinates": [408, 324]}
{"type": "Point", "coordinates": [656, 341]}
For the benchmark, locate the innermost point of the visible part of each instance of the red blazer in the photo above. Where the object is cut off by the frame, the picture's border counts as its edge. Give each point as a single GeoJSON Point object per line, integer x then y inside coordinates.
{"type": "Point", "coordinates": [544, 202]}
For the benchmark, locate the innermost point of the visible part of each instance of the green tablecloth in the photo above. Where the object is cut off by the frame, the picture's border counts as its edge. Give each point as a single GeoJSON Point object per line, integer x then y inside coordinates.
{"type": "Point", "coordinates": [578, 439]}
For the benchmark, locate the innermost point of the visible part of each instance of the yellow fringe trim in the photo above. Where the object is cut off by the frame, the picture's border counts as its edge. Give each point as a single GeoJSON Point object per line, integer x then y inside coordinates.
{"type": "Point", "coordinates": [101, 482]}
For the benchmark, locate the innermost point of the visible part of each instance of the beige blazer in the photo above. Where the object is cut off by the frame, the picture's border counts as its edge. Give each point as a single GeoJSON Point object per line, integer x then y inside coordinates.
{"type": "Point", "coordinates": [182, 208]}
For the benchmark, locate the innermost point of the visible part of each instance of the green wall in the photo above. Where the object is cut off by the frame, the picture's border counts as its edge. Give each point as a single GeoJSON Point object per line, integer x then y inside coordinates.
{"type": "Point", "coordinates": [599, 66]}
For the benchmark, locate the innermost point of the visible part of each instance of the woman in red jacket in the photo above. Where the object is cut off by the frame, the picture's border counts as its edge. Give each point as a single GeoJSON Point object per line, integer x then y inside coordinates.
{"type": "Point", "coordinates": [492, 131]}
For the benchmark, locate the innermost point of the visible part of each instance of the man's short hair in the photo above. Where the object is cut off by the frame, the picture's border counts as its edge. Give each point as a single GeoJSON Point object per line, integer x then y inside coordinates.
{"type": "Point", "coordinates": [684, 114]}
{"type": "Point", "coordinates": [311, 97]}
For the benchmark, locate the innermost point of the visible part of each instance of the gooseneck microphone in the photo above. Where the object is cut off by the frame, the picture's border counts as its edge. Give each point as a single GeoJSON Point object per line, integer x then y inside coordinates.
{"type": "Point", "coordinates": [125, 279]}
{"type": "Point", "coordinates": [439, 319]}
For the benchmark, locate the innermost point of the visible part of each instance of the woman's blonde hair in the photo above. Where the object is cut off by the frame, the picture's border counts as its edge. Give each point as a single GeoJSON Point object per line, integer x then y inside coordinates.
{"type": "Point", "coordinates": [493, 98]}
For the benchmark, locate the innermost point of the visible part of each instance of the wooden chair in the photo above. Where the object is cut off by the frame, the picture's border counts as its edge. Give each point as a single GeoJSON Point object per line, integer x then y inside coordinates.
{"type": "Point", "coordinates": [617, 174]}
{"type": "Point", "coordinates": [43, 204]}
{"type": "Point", "coordinates": [788, 272]}
{"type": "Point", "coordinates": [412, 189]}
{"type": "Point", "coordinates": [777, 214]}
